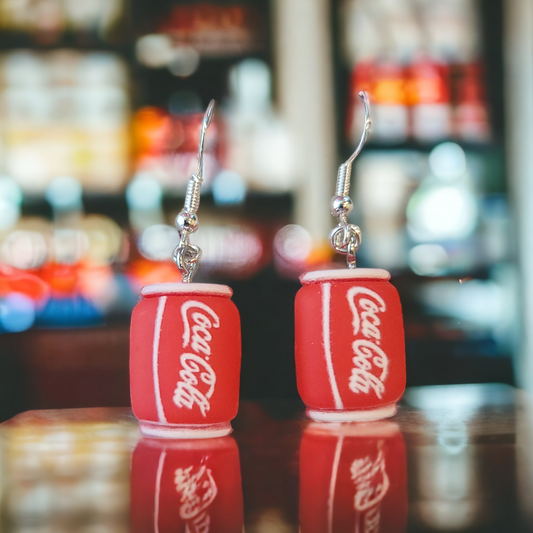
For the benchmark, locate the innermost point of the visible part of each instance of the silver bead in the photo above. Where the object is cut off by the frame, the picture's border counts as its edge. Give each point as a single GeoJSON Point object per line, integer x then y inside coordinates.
{"type": "Point", "coordinates": [341, 205]}
{"type": "Point", "coordinates": [187, 222]}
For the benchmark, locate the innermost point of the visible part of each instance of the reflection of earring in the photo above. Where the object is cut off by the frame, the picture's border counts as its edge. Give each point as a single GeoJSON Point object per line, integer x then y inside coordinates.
{"type": "Point", "coordinates": [185, 342]}
{"type": "Point", "coordinates": [353, 478]}
{"type": "Point", "coordinates": [186, 485]}
{"type": "Point", "coordinates": [350, 353]}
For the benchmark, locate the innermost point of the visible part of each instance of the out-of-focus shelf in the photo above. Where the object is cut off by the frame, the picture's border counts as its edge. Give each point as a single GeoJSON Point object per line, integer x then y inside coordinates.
{"type": "Point", "coordinates": [125, 50]}
{"type": "Point", "coordinates": [12, 40]}
{"type": "Point", "coordinates": [114, 205]}
{"type": "Point", "coordinates": [418, 146]}
{"type": "Point", "coordinates": [408, 276]}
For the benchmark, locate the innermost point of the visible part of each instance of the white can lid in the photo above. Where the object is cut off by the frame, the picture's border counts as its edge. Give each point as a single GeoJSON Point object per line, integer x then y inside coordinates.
{"type": "Point", "coordinates": [162, 289]}
{"type": "Point", "coordinates": [317, 276]}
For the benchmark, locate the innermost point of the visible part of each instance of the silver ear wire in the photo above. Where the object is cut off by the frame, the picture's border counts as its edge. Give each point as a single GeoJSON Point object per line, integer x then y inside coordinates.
{"type": "Point", "coordinates": [346, 238]}
{"type": "Point", "coordinates": [188, 255]}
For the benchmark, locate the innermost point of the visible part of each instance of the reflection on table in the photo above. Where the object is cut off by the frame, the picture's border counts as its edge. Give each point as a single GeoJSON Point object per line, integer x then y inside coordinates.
{"type": "Point", "coordinates": [455, 458]}
{"type": "Point", "coordinates": [353, 477]}
{"type": "Point", "coordinates": [188, 485]}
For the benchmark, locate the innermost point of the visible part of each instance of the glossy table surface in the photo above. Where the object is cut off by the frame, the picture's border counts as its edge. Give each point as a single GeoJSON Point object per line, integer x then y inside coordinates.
{"type": "Point", "coordinates": [454, 458]}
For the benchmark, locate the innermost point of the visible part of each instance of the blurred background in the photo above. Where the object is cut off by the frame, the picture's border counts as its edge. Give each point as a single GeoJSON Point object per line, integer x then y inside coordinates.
{"type": "Point", "coordinates": [100, 107]}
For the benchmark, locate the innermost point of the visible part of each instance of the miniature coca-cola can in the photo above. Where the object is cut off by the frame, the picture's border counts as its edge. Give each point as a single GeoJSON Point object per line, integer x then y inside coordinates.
{"type": "Point", "coordinates": [353, 477]}
{"type": "Point", "coordinates": [185, 359]}
{"type": "Point", "coordinates": [186, 485]}
{"type": "Point", "coordinates": [350, 351]}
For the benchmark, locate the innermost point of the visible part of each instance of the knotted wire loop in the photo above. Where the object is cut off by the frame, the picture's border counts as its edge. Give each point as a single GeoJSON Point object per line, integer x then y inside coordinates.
{"type": "Point", "coordinates": [345, 239]}
{"type": "Point", "coordinates": [186, 256]}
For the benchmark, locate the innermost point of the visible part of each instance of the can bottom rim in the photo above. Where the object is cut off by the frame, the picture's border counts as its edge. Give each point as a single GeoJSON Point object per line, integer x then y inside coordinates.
{"type": "Point", "coordinates": [179, 431]}
{"type": "Point", "coordinates": [362, 415]}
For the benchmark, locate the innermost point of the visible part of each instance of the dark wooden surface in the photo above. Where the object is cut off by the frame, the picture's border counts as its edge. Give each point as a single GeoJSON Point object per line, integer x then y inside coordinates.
{"type": "Point", "coordinates": [467, 449]}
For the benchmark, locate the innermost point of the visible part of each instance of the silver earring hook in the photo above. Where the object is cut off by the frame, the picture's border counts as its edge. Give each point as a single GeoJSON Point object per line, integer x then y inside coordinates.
{"type": "Point", "coordinates": [346, 238]}
{"type": "Point", "coordinates": [186, 255]}
{"type": "Point", "coordinates": [208, 115]}
{"type": "Point", "coordinates": [345, 170]}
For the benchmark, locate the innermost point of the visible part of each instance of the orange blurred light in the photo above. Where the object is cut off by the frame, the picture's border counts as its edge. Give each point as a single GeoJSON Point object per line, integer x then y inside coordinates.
{"type": "Point", "coordinates": [62, 279]}
{"type": "Point", "coordinates": [144, 272]}
{"type": "Point", "coordinates": [151, 129]}
{"type": "Point", "coordinates": [15, 280]}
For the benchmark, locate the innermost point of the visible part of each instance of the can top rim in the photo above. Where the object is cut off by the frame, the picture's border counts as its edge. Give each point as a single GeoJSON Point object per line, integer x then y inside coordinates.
{"type": "Point", "coordinates": [377, 274]}
{"type": "Point", "coordinates": [162, 289]}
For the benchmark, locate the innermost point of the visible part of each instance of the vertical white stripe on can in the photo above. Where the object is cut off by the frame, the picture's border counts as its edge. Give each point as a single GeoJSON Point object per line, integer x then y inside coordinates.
{"type": "Point", "coordinates": [326, 310]}
{"type": "Point", "coordinates": [333, 482]}
{"type": "Point", "coordinates": [155, 358]}
{"type": "Point", "coordinates": [160, 465]}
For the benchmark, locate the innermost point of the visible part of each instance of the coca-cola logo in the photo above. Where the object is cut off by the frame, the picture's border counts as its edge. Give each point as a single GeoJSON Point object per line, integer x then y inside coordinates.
{"type": "Point", "coordinates": [370, 362]}
{"type": "Point", "coordinates": [371, 486]}
{"type": "Point", "coordinates": [197, 377]}
{"type": "Point", "coordinates": [197, 490]}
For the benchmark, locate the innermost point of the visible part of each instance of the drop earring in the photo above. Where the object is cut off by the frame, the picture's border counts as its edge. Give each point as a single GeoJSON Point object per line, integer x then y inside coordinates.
{"type": "Point", "coordinates": [349, 349]}
{"type": "Point", "coordinates": [185, 341]}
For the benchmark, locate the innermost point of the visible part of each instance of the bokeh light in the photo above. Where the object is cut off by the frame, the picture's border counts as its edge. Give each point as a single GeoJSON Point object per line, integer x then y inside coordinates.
{"type": "Point", "coordinates": [447, 161]}
{"type": "Point", "coordinates": [17, 312]}
{"type": "Point", "coordinates": [228, 188]}
{"type": "Point", "coordinates": [441, 212]}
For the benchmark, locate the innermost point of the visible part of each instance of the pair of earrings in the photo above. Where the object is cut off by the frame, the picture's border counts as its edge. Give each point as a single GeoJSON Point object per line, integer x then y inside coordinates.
{"type": "Point", "coordinates": [185, 340]}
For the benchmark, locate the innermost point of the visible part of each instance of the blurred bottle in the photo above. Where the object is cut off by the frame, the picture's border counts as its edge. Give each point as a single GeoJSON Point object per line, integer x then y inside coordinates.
{"type": "Point", "coordinates": [258, 144]}
{"type": "Point", "coordinates": [429, 96]}
{"type": "Point", "coordinates": [471, 112]}
{"type": "Point", "coordinates": [65, 112]}
{"type": "Point", "coordinates": [390, 115]}
{"type": "Point", "coordinates": [46, 21]}
{"type": "Point", "coordinates": [151, 128]}
{"type": "Point", "coordinates": [215, 29]}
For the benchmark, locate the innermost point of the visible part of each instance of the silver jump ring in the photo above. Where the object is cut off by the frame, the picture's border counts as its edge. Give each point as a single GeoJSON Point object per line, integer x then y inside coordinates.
{"type": "Point", "coordinates": [186, 256]}
{"type": "Point", "coordinates": [343, 236]}
{"type": "Point", "coordinates": [353, 244]}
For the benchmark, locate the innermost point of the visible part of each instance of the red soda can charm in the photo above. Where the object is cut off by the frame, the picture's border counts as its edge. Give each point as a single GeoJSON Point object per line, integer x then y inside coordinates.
{"type": "Point", "coordinates": [353, 478]}
{"type": "Point", "coordinates": [185, 358]}
{"type": "Point", "coordinates": [350, 355]}
{"type": "Point", "coordinates": [185, 341]}
{"type": "Point", "coordinates": [186, 485]}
